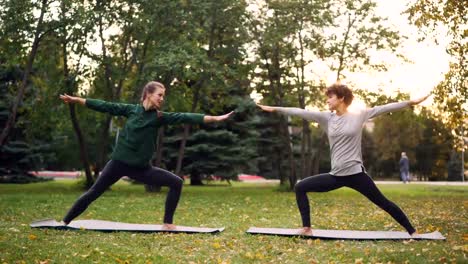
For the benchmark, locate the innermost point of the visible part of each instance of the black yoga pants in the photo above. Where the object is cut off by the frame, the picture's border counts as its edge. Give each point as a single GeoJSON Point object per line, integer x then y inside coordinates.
{"type": "Point", "coordinates": [360, 182]}
{"type": "Point", "coordinates": [114, 170]}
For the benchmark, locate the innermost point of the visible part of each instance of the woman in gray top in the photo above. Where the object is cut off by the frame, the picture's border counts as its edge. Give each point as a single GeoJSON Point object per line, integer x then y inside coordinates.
{"type": "Point", "coordinates": [344, 130]}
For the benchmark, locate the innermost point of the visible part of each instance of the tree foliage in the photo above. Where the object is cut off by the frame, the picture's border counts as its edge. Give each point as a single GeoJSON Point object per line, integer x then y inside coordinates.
{"type": "Point", "coordinates": [360, 31]}
{"type": "Point", "coordinates": [211, 55]}
{"type": "Point", "coordinates": [451, 95]}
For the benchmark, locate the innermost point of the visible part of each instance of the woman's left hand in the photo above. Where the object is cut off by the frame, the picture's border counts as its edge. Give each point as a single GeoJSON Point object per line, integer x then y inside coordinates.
{"type": "Point", "coordinates": [209, 119]}
{"type": "Point", "coordinates": [225, 116]}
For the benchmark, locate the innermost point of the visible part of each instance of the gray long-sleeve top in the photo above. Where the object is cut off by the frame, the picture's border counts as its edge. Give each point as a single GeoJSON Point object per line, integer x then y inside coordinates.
{"type": "Point", "coordinates": [344, 133]}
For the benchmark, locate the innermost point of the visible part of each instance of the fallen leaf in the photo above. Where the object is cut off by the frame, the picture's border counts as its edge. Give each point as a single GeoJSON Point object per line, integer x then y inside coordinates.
{"type": "Point", "coordinates": [216, 245]}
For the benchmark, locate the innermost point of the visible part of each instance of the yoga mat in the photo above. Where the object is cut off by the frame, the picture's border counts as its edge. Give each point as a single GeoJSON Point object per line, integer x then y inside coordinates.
{"type": "Point", "coordinates": [110, 226]}
{"type": "Point", "coordinates": [345, 234]}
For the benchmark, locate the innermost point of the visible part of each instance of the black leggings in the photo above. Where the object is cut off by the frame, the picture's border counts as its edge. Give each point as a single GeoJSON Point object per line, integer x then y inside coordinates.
{"type": "Point", "coordinates": [114, 170]}
{"type": "Point", "coordinates": [360, 182]}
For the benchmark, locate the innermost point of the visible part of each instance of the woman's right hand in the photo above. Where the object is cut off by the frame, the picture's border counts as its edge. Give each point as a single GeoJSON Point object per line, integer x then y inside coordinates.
{"type": "Point", "coordinates": [419, 100]}
{"type": "Point", "coordinates": [266, 108]}
{"type": "Point", "coordinates": [72, 99]}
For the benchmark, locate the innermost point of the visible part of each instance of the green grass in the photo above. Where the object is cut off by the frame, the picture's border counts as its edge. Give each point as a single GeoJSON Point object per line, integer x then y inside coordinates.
{"type": "Point", "coordinates": [238, 207]}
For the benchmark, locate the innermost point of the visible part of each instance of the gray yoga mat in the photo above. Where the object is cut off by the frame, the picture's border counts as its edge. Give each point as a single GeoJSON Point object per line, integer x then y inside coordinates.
{"type": "Point", "coordinates": [110, 226]}
{"type": "Point", "coordinates": [345, 234]}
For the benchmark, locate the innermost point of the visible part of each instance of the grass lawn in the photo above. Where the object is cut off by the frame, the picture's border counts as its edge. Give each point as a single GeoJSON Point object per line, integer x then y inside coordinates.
{"type": "Point", "coordinates": [236, 207]}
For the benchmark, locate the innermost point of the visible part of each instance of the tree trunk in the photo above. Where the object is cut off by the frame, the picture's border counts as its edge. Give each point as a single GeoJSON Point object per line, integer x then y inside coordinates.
{"type": "Point", "coordinates": [308, 171]}
{"type": "Point", "coordinates": [318, 154]}
{"type": "Point", "coordinates": [180, 156]}
{"type": "Point", "coordinates": [305, 150]}
{"type": "Point", "coordinates": [195, 179]}
{"type": "Point", "coordinates": [140, 68]}
{"type": "Point", "coordinates": [283, 121]}
{"type": "Point", "coordinates": [197, 86]}
{"type": "Point", "coordinates": [76, 126]}
{"type": "Point", "coordinates": [301, 99]}
{"type": "Point", "coordinates": [290, 155]}
{"type": "Point", "coordinates": [104, 138]}
{"type": "Point", "coordinates": [342, 50]}
{"type": "Point", "coordinates": [158, 161]}
{"type": "Point", "coordinates": [10, 124]}
{"type": "Point", "coordinates": [281, 171]}
{"type": "Point", "coordinates": [303, 154]}
{"type": "Point", "coordinates": [82, 145]}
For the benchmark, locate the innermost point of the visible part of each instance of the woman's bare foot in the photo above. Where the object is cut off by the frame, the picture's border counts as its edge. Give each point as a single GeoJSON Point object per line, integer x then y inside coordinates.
{"type": "Point", "coordinates": [169, 227]}
{"type": "Point", "coordinates": [307, 231]}
{"type": "Point", "coordinates": [415, 234]}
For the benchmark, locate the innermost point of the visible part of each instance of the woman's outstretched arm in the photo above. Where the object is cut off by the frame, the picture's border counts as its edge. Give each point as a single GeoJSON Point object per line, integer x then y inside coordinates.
{"type": "Point", "coordinates": [172, 118]}
{"type": "Point", "coordinates": [419, 100]}
{"type": "Point", "coordinates": [72, 99]}
{"type": "Point", "coordinates": [211, 119]}
{"type": "Point", "coordinates": [117, 109]}
{"type": "Point", "coordinates": [267, 108]}
{"type": "Point", "coordinates": [316, 116]}
{"type": "Point", "coordinates": [382, 109]}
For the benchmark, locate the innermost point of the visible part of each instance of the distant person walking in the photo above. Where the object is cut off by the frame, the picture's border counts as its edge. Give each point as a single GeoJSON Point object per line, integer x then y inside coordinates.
{"type": "Point", "coordinates": [404, 168]}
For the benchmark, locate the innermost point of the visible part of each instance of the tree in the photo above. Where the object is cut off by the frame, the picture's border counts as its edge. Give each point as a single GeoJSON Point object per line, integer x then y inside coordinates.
{"type": "Point", "coordinates": [310, 18]}
{"type": "Point", "coordinates": [392, 133]}
{"type": "Point", "coordinates": [271, 28]}
{"type": "Point", "coordinates": [73, 16]}
{"type": "Point", "coordinates": [451, 95]}
{"type": "Point", "coordinates": [38, 32]}
{"type": "Point", "coordinates": [23, 27]}
{"type": "Point", "coordinates": [18, 157]}
{"type": "Point", "coordinates": [215, 74]}
{"type": "Point", "coordinates": [434, 150]}
{"type": "Point", "coordinates": [360, 31]}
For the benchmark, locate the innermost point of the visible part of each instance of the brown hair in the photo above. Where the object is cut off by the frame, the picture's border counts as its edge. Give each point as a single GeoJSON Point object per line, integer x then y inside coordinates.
{"type": "Point", "coordinates": [341, 91]}
{"type": "Point", "coordinates": [150, 88]}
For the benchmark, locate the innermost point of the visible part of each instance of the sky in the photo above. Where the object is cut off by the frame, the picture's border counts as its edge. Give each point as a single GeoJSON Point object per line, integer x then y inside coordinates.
{"type": "Point", "coordinates": [429, 61]}
{"type": "Point", "coordinates": [426, 63]}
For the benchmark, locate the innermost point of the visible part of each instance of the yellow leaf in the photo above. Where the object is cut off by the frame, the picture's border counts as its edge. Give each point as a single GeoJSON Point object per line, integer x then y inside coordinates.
{"type": "Point", "coordinates": [216, 245]}
{"type": "Point", "coordinates": [220, 261]}
{"type": "Point", "coordinates": [259, 255]}
{"type": "Point", "coordinates": [462, 248]}
{"type": "Point", "coordinates": [32, 237]}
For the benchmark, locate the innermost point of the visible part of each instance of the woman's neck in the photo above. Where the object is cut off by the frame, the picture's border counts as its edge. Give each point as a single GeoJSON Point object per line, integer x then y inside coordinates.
{"type": "Point", "coordinates": [147, 105]}
{"type": "Point", "coordinates": [341, 110]}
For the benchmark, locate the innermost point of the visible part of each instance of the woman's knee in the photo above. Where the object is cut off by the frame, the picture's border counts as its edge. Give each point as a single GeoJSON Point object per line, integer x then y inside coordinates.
{"type": "Point", "coordinates": [178, 183]}
{"type": "Point", "coordinates": [299, 187]}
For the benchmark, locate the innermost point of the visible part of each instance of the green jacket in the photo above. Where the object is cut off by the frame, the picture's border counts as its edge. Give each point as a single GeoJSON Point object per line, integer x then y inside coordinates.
{"type": "Point", "coordinates": [138, 139]}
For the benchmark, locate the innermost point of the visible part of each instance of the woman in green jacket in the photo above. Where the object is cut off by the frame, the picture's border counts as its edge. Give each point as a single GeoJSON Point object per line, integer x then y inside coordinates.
{"type": "Point", "coordinates": [135, 147]}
